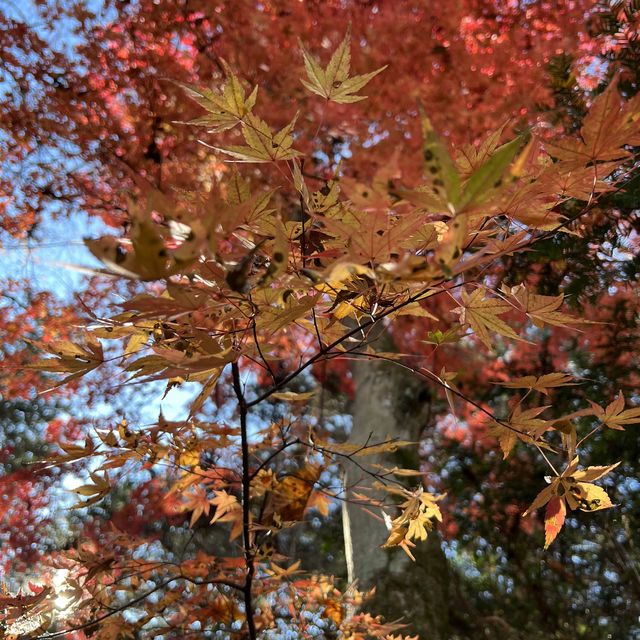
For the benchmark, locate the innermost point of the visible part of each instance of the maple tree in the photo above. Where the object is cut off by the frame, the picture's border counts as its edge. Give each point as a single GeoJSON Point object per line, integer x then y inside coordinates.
{"type": "Point", "coordinates": [598, 285]}
{"type": "Point", "coordinates": [255, 279]}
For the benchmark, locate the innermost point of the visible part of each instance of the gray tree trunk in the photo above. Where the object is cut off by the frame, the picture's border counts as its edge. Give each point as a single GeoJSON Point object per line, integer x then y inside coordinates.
{"type": "Point", "coordinates": [390, 401]}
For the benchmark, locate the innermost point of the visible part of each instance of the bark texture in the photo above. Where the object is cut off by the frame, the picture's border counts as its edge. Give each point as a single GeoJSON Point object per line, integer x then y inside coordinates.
{"type": "Point", "coordinates": [392, 402]}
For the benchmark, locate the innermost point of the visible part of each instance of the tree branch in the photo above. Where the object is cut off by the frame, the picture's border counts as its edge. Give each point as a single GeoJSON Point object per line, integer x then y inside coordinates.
{"type": "Point", "coordinates": [246, 506]}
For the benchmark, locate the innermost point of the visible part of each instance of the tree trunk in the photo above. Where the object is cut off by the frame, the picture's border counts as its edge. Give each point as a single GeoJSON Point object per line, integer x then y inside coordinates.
{"type": "Point", "coordinates": [390, 401]}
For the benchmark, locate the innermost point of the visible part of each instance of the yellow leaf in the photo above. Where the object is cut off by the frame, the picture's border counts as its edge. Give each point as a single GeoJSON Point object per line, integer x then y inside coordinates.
{"type": "Point", "coordinates": [290, 495]}
{"type": "Point", "coordinates": [594, 473]}
{"type": "Point", "coordinates": [262, 144]}
{"type": "Point", "coordinates": [225, 109]}
{"type": "Point", "coordinates": [540, 383]}
{"type": "Point", "coordinates": [189, 458]}
{"type": "Point", "coordinates": [206, 391]}
{"type": "Point", "coordinates": [280, 572]}
{"type": "Point", "coordinates": [590, 497]}
{"type": "Point", "coordinates": [541, 499]}
{"type": "Point", "coordinates": [528, 422]}
{"type": "Point", "coordinates": [77, 360]}
{"type": "Point", "coordinates": [415, 521]}
{"type": "Point", "coordinates": [541, 309]}
{"type": "Point", "coordinates": [319, 501]}
{"type": "Point", "coordinates": [578, 495]}
{"type": "Point", "coordinates": [344, 271]}
{"type": "Point", "coordinates": [481, 314]}
{"type": "Point", "coordinates": [507, 438]}
{"type": "Point", "coordinates": [438, 337]}
{"type": "Point", "coordinates": [334, 83]}
{"type": "Point", "coordinates": [615, 416]}
{"type": "Point", "coordinates": [272, 319]}
{"type": "Point", "coordinates": [290, 396]}
{"type": "Point", "coordinates": [414, 309]}
{"type": "Point", "coordinates": [228, 509]}
{"type": "Point", "coordinates": [98, 490]}
{"type": "Point", "coordinates": [361, 450]}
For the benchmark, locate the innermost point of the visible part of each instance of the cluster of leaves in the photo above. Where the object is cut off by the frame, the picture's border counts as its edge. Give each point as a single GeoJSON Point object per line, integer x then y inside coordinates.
{"type": "Point", "coordinates": [232, 274]}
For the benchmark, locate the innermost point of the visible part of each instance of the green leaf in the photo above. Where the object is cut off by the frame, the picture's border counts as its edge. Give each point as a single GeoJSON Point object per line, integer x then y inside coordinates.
{"type": "Point", "coordinates": [488, 177]}
{"type": "Point", "coordinates": [441, 172]}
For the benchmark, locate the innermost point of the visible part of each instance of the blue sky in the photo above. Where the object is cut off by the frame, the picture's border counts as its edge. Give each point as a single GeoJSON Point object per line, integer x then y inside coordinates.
{"type": "Point", "coordinates": [58, 241]}
{"type": "Point", "coordinates": [55, 258]}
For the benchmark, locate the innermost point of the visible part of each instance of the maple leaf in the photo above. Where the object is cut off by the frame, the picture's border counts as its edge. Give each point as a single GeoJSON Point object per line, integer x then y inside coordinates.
{"type": "Point", "coordinates": [144, 255]}
{"type": "Point", "coordinates": [248, 297]}
{"type": "Point", "coordinates": [488, 176]}
{"type": "Point", "coordinates": [615, 415]}
{"type": "Point", "coordinates": [507, 437]}
{"type": "Point", "coordinates": [207, 389]}
{"type": "Point", "coordinates": [589, 497]}
{"type": "Point", "coordinates": [415, 310]}
{"type": "Point", "coordinates": [225, 109]}
{"type": "Point", "coordinates": [320, 501]}
{"type": "Point", "coordinates": [196, 501]}
{"type": "Point", "coordinates": [416, 520]}
{"type": "Point", "coordinates": [470, 157]}
{"type": "Point", "coordinates": [580, 183]}
{"type": "Point", "coordinates": [481, 314]}
{"type": "Point", "coordinates": [77, 452]}
{"type": "Point", "coordinates": [292, 396]}
{"type": "Point", "coordinates": [554, 519]}
{"type": "Point", "coordinates": [280, 573]}
{"type": "Point", "coordinates": [289, 497]}
{"type": "Point", "coordinates": [272, 319]}
{"type": "Point", "coordinates": [541, 309]}
{"type": "Point", "coordinates": [334, 83]}
{"type": "Point", "coordinates": [76, 360]}
{"type": "Point", "coordinates": [439, 337]}
{"type": "Point", "coordinates": [228, 509]}
{"type": "Point", "coordinates": [361, 450]}
{"type": "Point", "coordinates": [608, 126]}
{"type": "Point", "coordinates": [523, 425]}
{"type": "Point", "coordinates": [224, 503]}
{"type": "Point", "coordinates": [20, 606]}
{"type": "Point", "coordinates": [98, 490]}
{"type": "Point", "coordinates": [540, 383]}
{"type": "Point", "coordinates": [372, 232]}
{"type": "Point", "coordinates": [572, 488]}
{"type": "Point", "coordinates": [262, 144]}
{"type": "Point", "coordinates": [444, 180]}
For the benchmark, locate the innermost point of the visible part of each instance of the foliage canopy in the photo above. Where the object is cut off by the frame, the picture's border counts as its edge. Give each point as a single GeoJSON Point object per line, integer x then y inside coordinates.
{"type": "Point", "coordinates": [278, 268]}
